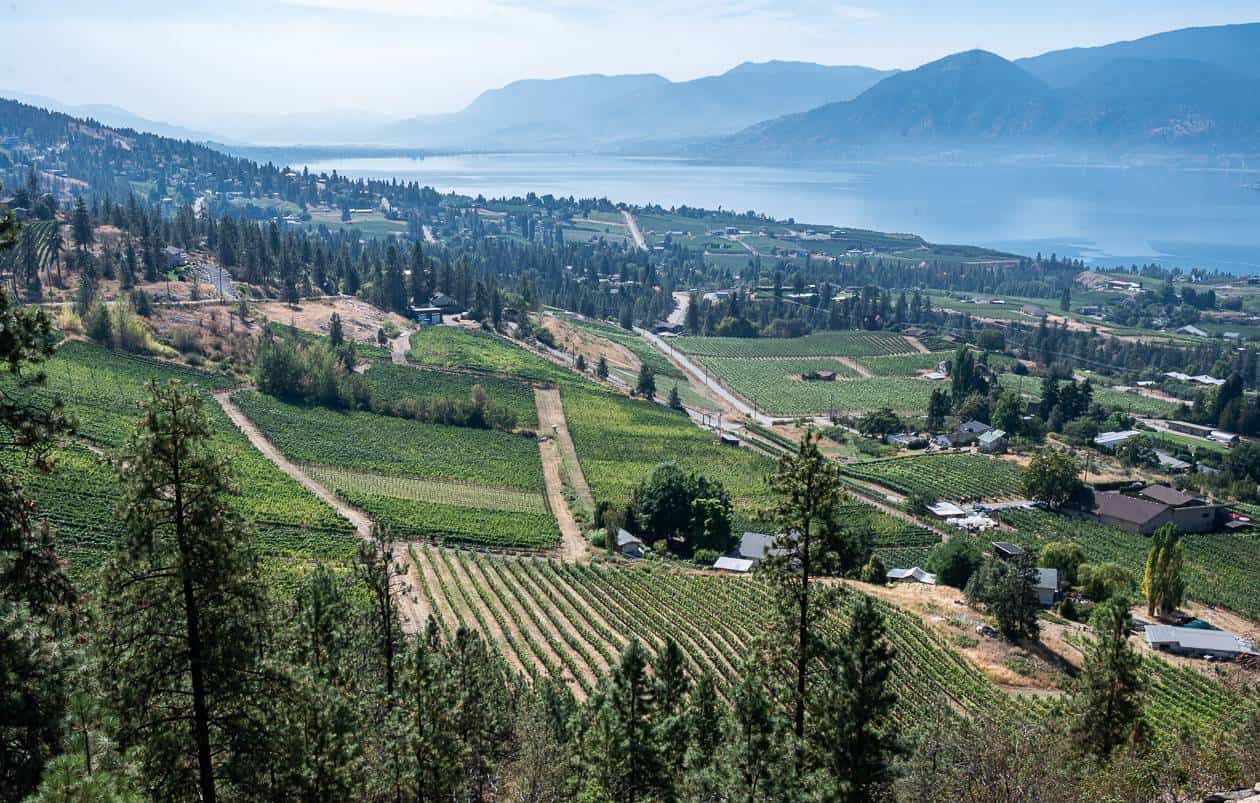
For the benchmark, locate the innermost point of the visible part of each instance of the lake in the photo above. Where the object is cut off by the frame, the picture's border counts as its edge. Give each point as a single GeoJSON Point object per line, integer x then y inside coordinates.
{"type": "Point", "coordinates": [1105, 215]}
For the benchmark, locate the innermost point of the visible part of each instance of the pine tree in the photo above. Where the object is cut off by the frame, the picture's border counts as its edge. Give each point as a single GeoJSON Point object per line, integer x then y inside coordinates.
{"type": "Point", "coordinates": [336, 335]}
{"type": "Point", "coordinates": [675, 401]}
{"type": "Point", "coordinates": [601, 368]}
{"type": "Point", "coordinates": [756, 746]}
{"type": "Point", "coordinates": [182, 607]}
{"type": "Point", "coordinates": [1108, 701]}
{"type": "Point", "coordinates": [81, 225]}
{"type": "Point", "coordinates": [646, 384]}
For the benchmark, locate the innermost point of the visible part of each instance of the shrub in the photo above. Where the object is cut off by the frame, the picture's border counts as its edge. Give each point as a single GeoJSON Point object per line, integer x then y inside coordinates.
{"type": "Point", "coordinates": [954, 561]}
{"type": "Point", "coordinates": [706, 557]}
{"type": "Point", "coordinates": [186, 340]}
{"type": "Point", "coordinates": [874, 571]}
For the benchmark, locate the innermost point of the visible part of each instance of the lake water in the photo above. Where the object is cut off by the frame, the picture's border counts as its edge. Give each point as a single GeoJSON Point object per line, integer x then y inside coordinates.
{"type": "Point", "coordinates": [1105, 215]}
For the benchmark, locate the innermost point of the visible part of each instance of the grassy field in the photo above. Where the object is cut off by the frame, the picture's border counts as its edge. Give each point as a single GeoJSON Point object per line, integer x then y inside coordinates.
{"type": "Point", "coordinates": [944, 476]}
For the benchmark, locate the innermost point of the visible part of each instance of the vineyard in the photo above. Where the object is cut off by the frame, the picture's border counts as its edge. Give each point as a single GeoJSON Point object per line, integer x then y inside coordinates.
{"type": "Point", "coordinates": [904, 364]}
{"type": "Point", "coordinates": [424, 480]}
{"type": "Point", "coordinates": [632, 343]}
{"type": "Point", "coordinates": [619, 441]}
{"type": "Point", "coordinates": [393, 384]}
{"type": "Point", "coordinates": [1220, 568]}
{"type": "Point", "coordinates": [944, 476]}
{"type": "Point", "coordinates": [819, 344]}
{"type": "Point", "coordinates": [898, 544]}
{"type": "Point", "coordinates": [775, 386]}
{"type": "Point", "coordinates": [456, 347]}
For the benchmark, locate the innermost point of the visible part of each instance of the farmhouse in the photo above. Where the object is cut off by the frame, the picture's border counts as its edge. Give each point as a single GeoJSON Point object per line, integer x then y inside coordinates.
{"type": "Point", "coordinates": [969, 432]}
{"type": "Point", "coordinates": [1198, 643]}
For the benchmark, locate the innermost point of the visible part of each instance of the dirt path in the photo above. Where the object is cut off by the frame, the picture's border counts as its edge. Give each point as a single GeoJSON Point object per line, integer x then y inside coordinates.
{"type": "Point", "coordinates": [633, 226]}
{"type": "Point", "coordinates": [400, 346]}
{"type": "Point", "coordinates": [918, 346]}
{"type": "Point", "coordinates": [849, 362]}
{"type": "Point", "coordinates": [551, 418]}
{"type": "Point", "coordinates": [412, 614]}
{"type": "Point", "coordinates": [572, 543]}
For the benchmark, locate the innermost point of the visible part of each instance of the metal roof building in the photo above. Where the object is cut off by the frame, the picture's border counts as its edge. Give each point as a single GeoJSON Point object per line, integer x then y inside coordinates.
{"type": "Point", "coordinates": [733, 565]}
{"type": "Point", "coordinates": [1196, 642]}
{"type": "Point", "coordinates": [915, 575]}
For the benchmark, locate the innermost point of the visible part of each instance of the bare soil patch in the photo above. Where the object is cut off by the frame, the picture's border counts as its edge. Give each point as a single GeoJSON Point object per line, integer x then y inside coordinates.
{"type": "Point", "coordinates": [359, 319]}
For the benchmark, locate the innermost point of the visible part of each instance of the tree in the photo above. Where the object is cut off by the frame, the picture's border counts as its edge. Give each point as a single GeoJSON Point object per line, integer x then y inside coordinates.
{"type": "Point", "coordinates": [690, 510]}
{"type": "Point", "coordinates": [675, 401]}
{"type": "Point", "coordinates": [1100, 582]}
{"type": "Point", "coordinates": [853, 743]}
{"type": "Point", "coordinates": [755, 745]}
{"type": "Point", "coordinates": [875, 571]}
{"type": "Point", "coordinates": [1108, 700]}
{"type": "Point", "coordinates": [938, 407]}
{"type": "Point", "coordinates": [336, 335]}
{"type": "Point", "coordinates": [1006, 588]}
{"type": "Point", "coordinates": [1008, 413]}
{"type": "Point", "coordinates": [1162, 584]}
{"type": "Point", "coordinates": [646, 384]}
{"type": "Point", "coordinates": [601, 368]}
{"type": "Point", "coordinates": [1052, 477]}
{"type": "Point", "coordinates": [81, 225]}
{"type": "Point", "coordinates": [954, 561]}
{"type": "Point", "coordinates": [182, 606]}
{"type": "Point", "coordinates": [579, 363]}
{"type": "Point", "coordinates": [810, 541]}
{"type": "Point", "coordinates": [1065, 556]}
{"type": "Point", "coordinates": [878, 423]}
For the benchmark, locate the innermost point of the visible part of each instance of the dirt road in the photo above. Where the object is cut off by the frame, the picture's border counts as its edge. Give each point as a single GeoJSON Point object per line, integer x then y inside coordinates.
{"type": "Point", "coordinates": [635, 234]}
{"type": "Point", "coordinates": [572, 542]}
{"type": "Point", "coordinates": [412, 613]}
{"type": "Point", "coordinates": [400, 346]}
{"type": "Point", "coordinates": [551, 420]}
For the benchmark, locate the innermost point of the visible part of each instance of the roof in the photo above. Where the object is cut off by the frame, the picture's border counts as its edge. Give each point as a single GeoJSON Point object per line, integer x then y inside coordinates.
{"type": "Point", "coordinates": [732, 564]}
{"type": "Point", "coordinates": [1115, 438]}
{"type": "Point", "coordinates": [1192, 638]}
{"type": "Point", "coordinates": [1170, 496]}
{"type": "Point", "coordinates": [1047, 579]}
{"type": "Point", "coordinates": [916, 574]}
{"type": "Point", "coordinates": [992, 436]}
{"type": "Point", "coordinates": [755, 546]}
{"type": "Point", "coordinates": [1126, 508]}
{"type": "Point", "coordinates": [443, 300]}
{"type": "Point", "coordinates": [944, 509]}
{"type": "Point", "coordinates": [625, 538]}
{"type": "Point", "coordinates": [974, 427]}
{"type": "Point", "coordinates": [1008, 549]}
{"type": "Point", "coordinates": [1168, 461]}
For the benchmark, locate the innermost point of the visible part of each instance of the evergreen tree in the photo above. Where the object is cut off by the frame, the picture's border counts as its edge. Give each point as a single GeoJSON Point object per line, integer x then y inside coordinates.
{"type": "Point", "coordinates": [601, 368]}
{"type": "Point", "coordinates": [1108, 701]}
{"type": "Point", "coordinates": [81, 225]}
{"type": "Point", "coordinates": [646, 384]}
{"type": "Point", "coordinates": [336, 335]}
{"type": "Point", "coordinates": [675, 401]}
{"type": "Point", "coordinates": [182, 608]}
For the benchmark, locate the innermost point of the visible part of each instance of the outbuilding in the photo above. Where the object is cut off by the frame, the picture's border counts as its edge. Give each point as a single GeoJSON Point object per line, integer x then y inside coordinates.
{"type": "Point", "coordinates": [737, 565]}
{"type": "Point", "coordinates": [913, 575]}
{"type": "Point", "coordinates": [628, 544]}
{"type": "Point", "coordinates": [1198, 643]}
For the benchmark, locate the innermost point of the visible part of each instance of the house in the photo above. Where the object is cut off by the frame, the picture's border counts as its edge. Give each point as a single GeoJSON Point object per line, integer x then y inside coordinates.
{"type": "Point", "coordinates": [1189, 329]}
{"type": "Point", "coordinates": [1046, 586]}
{"type": "Point", "coordinates": [1190, 513]}
{"type": "Point", "coordinates": [901, 440]}
{"type": "Point", "coordinates": [175, 257]}
{"type": "Point", "coordinates": [739, 565]}
{"type": "Point", "coordinates": [629, 545]}
{"type": "Point", "coordinates": [942, 442]}
{"type": "Point", "coordinates": [446, 304]}
{"type": "Point", "coordinates": [992, 442]}
{"type": "Point", "coordinates": [755, 546]}
{"type": "Point", "coordinates": [945, 510]}
{"type": "Point", "coordinates": [1171, 464]}
{"type": "Point", "coordinates": [1129, 512]}
{"type": "Point", "coordinates": [427, 316]}
{"type": "Point", "coordinates": [1198, 643]}
{"type": "Point", "coordinates": [1110, 440]}
{"type": "Point", "coordinates": [914, 575]}
{"type": "Point", "coordinates": [969, 432]}
{"type": "Point", "coordinates": [1006, 550]}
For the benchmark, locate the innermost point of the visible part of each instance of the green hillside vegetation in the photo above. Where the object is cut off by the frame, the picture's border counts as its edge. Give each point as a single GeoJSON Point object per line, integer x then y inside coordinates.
{"type": "Point", "coordinates": [392, 384]}
{"type": "Point", "coordinates": [456, 347]}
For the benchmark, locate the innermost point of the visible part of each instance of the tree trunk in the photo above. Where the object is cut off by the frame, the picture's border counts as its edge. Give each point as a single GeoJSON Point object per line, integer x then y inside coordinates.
{"type": "Point", "coordinates": [196, 668]}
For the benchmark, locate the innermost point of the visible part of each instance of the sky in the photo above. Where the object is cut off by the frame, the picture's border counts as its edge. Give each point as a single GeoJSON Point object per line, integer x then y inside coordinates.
{"type": "Point", "coordinates": [220, 66]}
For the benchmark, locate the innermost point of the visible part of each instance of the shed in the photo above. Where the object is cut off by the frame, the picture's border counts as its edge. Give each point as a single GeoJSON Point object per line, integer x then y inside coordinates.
{"type": "Point", "coordinates": [740, 565]}
{"type": "Point", "coordinates": [945, 510]}
{"type": "Point", "coordinates": [628, 544]}
{"type": "Point", "coordinates": [1006, 550]}
{"type": "Point", "coordinates": [727, 439]}
{"type": "Point", "coordinates": [1110, 440]}
{"type": "Point", "coordinates": [992, 442]}
{"type": "Point", "coordinates": [1046, 586]}
{"type": "Point", "coordinates": [1171, 464]}
{"type": "Point", "coordinates": [1192, 330]}
{"type": "Point", "coordinates": [427, 316]}
{"type": "Point", "coordinates": [755, 546]}
{"type": "Point", "coordinates": [913, 575]}
{"type": "Point", "coordinates": [1198, 643]}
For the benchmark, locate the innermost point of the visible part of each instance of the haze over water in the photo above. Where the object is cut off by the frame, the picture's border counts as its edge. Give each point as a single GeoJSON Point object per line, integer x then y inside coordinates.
{"type": "Point", "coordinates": [1106, 215]}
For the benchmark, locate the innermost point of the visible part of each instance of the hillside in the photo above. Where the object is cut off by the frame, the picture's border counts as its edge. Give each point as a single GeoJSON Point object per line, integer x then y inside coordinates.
{"type": "Point", "coordinates": [1234, 48]}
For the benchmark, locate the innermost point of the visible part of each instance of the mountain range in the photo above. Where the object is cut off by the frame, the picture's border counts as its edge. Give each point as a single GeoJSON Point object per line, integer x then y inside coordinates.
{"type": "Point", "coordinates": [1195, 88]}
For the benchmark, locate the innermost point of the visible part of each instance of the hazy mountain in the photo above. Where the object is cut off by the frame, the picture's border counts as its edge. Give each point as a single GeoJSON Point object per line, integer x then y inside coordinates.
{"type": "Point", "coordinates": [113, 116]}
{"type": "Point", "coordinates": [1234, 48]}
{"type": "Point", "coordinates": [977, 98]}
{"type": "Point", "coordinates": [595, 110]}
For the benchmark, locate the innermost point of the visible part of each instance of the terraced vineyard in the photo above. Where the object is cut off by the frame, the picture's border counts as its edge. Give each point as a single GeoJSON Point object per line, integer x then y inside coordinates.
{"type": "Point", "coordinates": [569, 621]}
{"type": "Point", "coordinates": [819, 344]}
{"type": "Point", "coordinates": [393, 384]}
{"type": "Point", "coordinates": [425, 480]}
{"type": "Point", "coordinates": [619, 441]}
{"type": "Point", "coordinates": [472, 350]}
{"type": "Point", "coordinates": [1220, 568]}
{"type": "Point", "coordinates": [945, 476]}
{"type": "Point", "coordinates": [104, 390]}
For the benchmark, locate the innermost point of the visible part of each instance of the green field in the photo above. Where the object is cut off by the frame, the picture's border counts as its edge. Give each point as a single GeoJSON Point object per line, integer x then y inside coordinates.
{"type": "Point", "coordinates": [392, 384]}
{"type": "Point", "coordinates": [1220, 568]}
{"type": "Point", "coordinates": [619, 441]}
{"type": "Point", "coordinates": [905, 364]}
{"type": "Point", "coordinates": [473, 350]}
{"type": "Point", "coordinates": [422, 479]}
{"type": "Point", "coordinates": [944, 476]}
{"type": "Point", "coordinates": [774, 386]}
{"type": "Point", "coordinates": [819, 344]}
